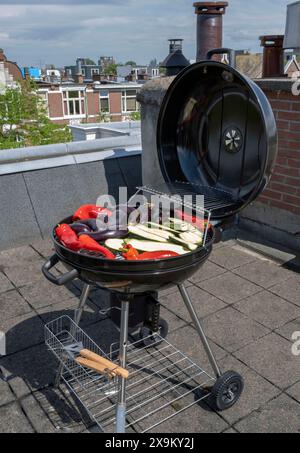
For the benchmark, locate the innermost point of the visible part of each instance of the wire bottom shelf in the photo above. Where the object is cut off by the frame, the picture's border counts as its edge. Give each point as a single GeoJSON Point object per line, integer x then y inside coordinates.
{"type": "Point", "coordinates": [163, 382]}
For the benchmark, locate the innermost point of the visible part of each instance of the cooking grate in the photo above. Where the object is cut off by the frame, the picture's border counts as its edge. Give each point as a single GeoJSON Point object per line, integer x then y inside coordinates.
{"type": "Point", "coordinates": [163, 382]}
{"type": "Point", "coordinates": [214, 199]}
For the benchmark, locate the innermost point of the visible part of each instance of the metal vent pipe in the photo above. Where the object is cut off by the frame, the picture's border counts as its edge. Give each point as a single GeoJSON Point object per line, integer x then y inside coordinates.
{"type": "Point", "coordinates": [209, 27]}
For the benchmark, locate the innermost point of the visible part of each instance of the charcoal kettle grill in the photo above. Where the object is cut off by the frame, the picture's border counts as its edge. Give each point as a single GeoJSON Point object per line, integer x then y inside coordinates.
{"type": "Point", "coordinates": [217, 137]}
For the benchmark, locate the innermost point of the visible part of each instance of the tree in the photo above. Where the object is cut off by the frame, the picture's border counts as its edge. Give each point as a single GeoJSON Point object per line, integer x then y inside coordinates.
{"type": "Point", "coordinates": [135, 116]}
{"type": "Point", "coordinates": [130, 63]}
{"type": "Point", "coordinates": [110, 69]}
{"type": "Point", "coordinates": [24, 122]}
{"type": "Point", "coordinates": [88, 61]}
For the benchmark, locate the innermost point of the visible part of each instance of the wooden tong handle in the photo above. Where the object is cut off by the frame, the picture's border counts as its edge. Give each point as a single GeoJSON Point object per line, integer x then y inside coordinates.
{"type": "Point", "coordinates": [112, 367]}
{"type": "Point", "coordinates": [95, 367]}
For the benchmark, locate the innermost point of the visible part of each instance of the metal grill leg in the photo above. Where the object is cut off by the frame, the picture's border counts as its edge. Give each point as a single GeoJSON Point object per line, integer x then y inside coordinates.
{"type": "Point", "coordinates": [197, 324]}
{"type": "Point", "coordinates": [121, 406]}
{"type": "Point", "coordinates": [77, 318]}
{"type": "Point", "coordinates": [83, 298]}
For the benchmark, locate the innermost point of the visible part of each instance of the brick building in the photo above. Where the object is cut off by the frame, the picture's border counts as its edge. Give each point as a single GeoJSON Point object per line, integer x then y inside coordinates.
{"type": "Point", "coordinates": [10, 73]}
{"type": "Point", "coordinates": [71, 103]}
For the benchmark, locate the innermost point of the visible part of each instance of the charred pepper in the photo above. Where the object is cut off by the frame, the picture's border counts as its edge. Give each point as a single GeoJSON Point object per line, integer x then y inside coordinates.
{"type": "Point", "coordinates": [90, 211]}
{"type": "Point", "coordinates": [90, 244]}
{"type": "Point", "coordinates": [68, 237]}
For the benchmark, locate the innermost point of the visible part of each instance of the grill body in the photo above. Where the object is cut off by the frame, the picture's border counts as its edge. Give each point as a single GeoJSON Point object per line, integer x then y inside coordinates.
{"type": "Point", "coordinates": [216, 137]}
{"type": "Point", "coordinates": [133, 277]}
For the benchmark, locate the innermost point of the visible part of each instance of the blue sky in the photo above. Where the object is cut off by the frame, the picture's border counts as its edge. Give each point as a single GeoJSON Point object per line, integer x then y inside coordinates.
{"type": "Point", "coordinates": [34, 32]}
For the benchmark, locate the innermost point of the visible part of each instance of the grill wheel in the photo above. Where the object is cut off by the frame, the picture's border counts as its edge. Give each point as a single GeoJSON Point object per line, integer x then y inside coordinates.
{"type": "Point", "coordinates": [148, 336]}
{"type": "Point", "coordinates": [227, 390]}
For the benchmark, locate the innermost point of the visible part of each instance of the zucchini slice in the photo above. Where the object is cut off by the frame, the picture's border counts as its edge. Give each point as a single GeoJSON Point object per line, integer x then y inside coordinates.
{"type": "Point", "coordinates": [156, 231]}
{"type": "Point", "coordinates": [148, 246]}
{"type": "Point", "coordinates": [189, 245]}
{"type": "Point", "coordinates": [115, 244]}
{"type": "Point", "coordinates": [146, 234]}
{"type": "Point", "coordinates": [161, 227]}
{"type": "Point", "coordinates": [192, 237]}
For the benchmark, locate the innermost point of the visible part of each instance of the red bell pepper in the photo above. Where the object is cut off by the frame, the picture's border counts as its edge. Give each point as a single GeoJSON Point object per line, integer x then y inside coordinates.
{"type": "Point", "coordinates": [68, 237]}
{"type": "Point", "coordinates": [201, 224]}
{"type": "Point", "coordinates": [157, 255]}
{"type": "Point", "coordinates": [130, 253]}
{"type": "Point", "coordinates": [91, 211]}
{"type": "Point", "coordinates": [133, 255]}
{"type": "Point", "coordinates": [88, 243]}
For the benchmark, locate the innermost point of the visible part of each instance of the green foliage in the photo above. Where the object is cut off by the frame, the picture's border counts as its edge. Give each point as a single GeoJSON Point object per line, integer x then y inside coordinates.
{"type": "Point", "coordinates": [24, 120]}
{"type": "Point", "coordinates": [89, 61]}
{"type": "Point", "coordinates": [135, 116]}
{"type": "Point", "coordinates": [130, 63]}
{"type": "Point", "coordinates": [110, 69]}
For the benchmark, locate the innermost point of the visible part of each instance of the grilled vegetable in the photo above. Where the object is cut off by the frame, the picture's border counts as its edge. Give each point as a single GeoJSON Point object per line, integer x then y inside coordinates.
{"type": "Point", "coordinates": [130, 254]}
{"type": "Point", "coordinates": [80, 228]}
{"type": "Point", "coordinates": [194, 221]}
{"type": "Point", "coordinates": [191, 237]}
{"type": "Point", "coordinates": [115, 244]}
{"type": "Point", "coordinates": [91, 223]}
{"type": "Point", "coordinates": [68, 237]}
{"type": "Point", "coordinates": [157, 255]}
{"type": "Point", "coordinates": [160, 227]}
{"type": "Point", "coordinates": [101, 236]}
{"type": "Point", "coordinates": [90, 244]}
{"type": "Point", "coordinates": [148, 246]}
{"type": "Point", "coordinates": [162, 236]}
{"type": "Point", "coordinates": [156, 231]}
{"type": "Point", "coordinates": [146, 233]}
{"type": "Point", "coordinates": [90, 211]}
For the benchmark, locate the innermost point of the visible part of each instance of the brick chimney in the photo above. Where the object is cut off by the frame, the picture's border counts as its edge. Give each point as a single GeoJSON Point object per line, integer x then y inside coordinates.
{"type": "Point", "coordinates": [79, 76]}
{"type": "Point", "coordinates": [273, 59]}
{"type": "Point", "coordinates": [209, 27]}
{"type": "Point", "coordinates": [79, 79]}
{"type": "Point", "coordinates": [2, 56]}
{"type": "Point", "coordinates": [26, 74]}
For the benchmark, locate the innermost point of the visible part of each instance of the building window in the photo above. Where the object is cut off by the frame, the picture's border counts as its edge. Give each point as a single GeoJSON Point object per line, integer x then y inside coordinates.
{"type": "Point", "coordinates": [129, 102]}
{"type": "Point", "coordinates": [104, 101]}
{"type": "Point", "coordinates": [95, 71]}
{"type": "Point", "coordinates": [73, 103]}
{"type": "Point", "coordinates": [83, 71]}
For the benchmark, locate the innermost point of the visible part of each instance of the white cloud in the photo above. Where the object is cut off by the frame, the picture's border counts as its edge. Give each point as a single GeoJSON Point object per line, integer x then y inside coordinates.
{"type": "Point", "coordinates": [127, 29]}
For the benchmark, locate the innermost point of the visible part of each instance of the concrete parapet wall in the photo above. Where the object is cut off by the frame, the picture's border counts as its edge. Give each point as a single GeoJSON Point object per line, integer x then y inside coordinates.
{"type": "Point", "coordinates": [33, 202]}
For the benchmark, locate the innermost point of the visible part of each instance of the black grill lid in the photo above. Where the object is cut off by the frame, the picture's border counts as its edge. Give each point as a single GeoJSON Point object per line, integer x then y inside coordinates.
{"type": "Point", "coordinates": [217, 132]}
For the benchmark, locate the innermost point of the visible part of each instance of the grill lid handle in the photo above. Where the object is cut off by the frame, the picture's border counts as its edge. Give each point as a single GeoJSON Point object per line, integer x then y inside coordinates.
{"type": "Point", "coordinates": [58, 280]}
{"type": "Point", "coordinates": [230, 52]}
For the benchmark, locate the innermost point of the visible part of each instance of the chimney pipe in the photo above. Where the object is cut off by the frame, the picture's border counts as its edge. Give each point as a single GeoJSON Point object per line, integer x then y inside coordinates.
{"type": "Point", "coordinates": [27, 74]}
{"type": "Point", "coordinates": [273, 55]}
{"type": "Point", "coordinates": [175, 44]}
{"type": "Point", "coordinates": [209, 27]}
{"type": "Point", "coordinates": [79, 66]}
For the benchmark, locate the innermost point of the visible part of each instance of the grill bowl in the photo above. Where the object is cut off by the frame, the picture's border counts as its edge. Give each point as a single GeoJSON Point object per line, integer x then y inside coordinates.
{"type": "Point", "coordinates": [133, 276]}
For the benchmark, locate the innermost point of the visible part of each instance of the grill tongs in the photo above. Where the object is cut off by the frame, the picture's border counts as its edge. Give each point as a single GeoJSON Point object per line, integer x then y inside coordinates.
{"type": "Point", "coordinates": [95, 362]}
